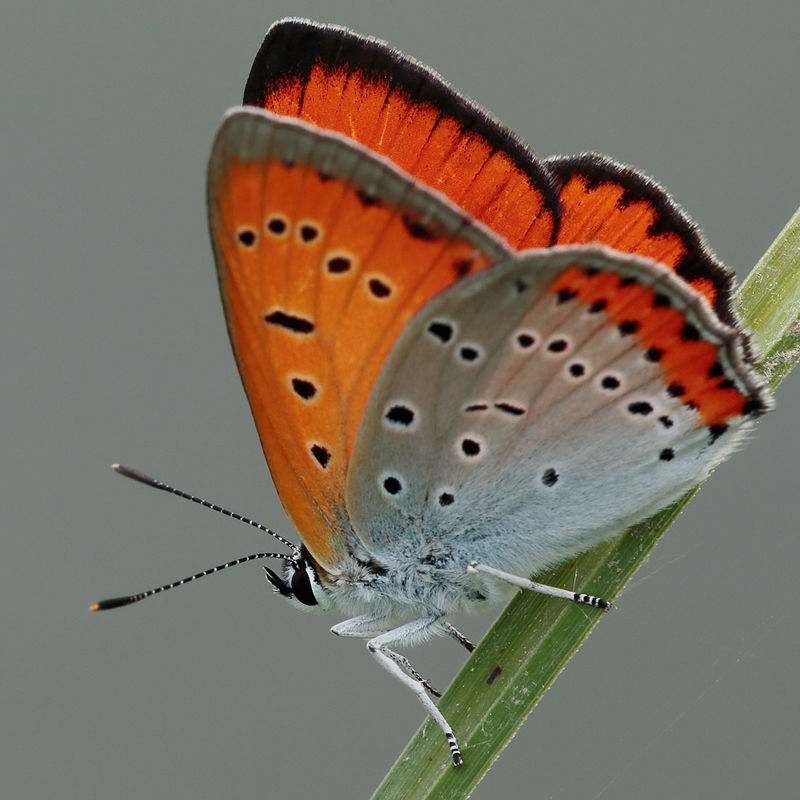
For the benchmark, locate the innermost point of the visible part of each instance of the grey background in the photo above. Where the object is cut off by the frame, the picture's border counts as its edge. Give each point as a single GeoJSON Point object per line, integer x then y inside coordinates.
{"type": "Point", "coordinates": [113, 349]}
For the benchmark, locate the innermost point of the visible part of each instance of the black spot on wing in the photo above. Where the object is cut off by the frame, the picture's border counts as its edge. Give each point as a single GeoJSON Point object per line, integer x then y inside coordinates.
{"type": "Point", "coordinates": [525, 340]}
{"type": "Point", "coordinates": [550, 477]}
{"type": "Point", "coordinates": [717, 430]}
{"type": "Point", "coordinates": [689, 333]}
{"type": "Point", "coordinates": [462, 266]}
{"type": "Point", "coordinates": [470, 447]}
{"type": "Point", "coordinates": [367, 200]}
{"type": "Point", "coordinates": [610, 383]}
{"type": "Point", "coordinates": [419, 230]}
{"type": "Point", "coordinates": [246, 237]}
{"type": "Point", "coordinates": [339, 264]}
{"type": "Point", "coordinates": [290, 321]}
{"type": "Point", "coordinates": [654, 354]}
{"type": "Point", "coordinates": [468, 353]}
{"type": "Point", "coordinates": [322, 454]}
{"type": "Point", "coordinates": [400, 415]}
{"type": "Point", "coordinates": [379, 289]}
{"type": "Point", "coordinates": [576, 370]}
{"type": "Point", "coordinates": [308, 233]}
{"type": "Point", "coordinates": [442, 331]}
{"type": "Point", "coordinates": [754, 406]}
{"type": "Point", "coordinates": [628, 326]}
{"type": "Point", "coordinates": [276, 226]}
{"type": "Point", "coordinates": [508, 408]}
{"type": "Point", "coordinates": [662, 301]}
{"type": "Point", "coordinates": [392, 485]}
{"type": "Point", "coordinates": [304, 388]}
{"type": "Point", "coordinates": [676, 390]}
{"type": "Point", "coordinates": [598, 306]}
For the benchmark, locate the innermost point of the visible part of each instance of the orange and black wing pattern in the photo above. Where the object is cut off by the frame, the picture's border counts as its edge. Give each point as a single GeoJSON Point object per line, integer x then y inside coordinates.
{"type": "Point", "coordinates": [607, 203]}
{"type": "Point", "coordinates": [332, 78]}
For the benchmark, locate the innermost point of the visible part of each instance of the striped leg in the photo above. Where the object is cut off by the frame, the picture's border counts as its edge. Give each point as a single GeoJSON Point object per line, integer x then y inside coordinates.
{"type": "Point", "coordinates": [458, 636]}
{"type": "Point", "coordinates": [475, 569]}
{"type": "Point", "coordinates": [404, 636]}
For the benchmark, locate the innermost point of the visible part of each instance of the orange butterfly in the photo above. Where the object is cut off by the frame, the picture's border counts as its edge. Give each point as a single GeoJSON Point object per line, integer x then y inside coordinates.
{"type": "Point", "coordinates": [465, 363]}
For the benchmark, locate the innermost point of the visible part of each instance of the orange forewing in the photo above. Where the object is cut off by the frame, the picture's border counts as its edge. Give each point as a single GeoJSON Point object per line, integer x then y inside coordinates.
{"type": "Point", "coordinates": [353, 327]}
{"type": "Point", "coordinates": [334, 79]}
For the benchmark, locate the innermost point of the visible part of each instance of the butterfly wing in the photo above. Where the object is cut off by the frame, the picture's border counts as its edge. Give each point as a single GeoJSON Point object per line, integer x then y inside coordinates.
{"type": "Point", "coordinates": [332, 78]}
{"type": "Point", "coordinates": [608, 203]}
{"type": "Point", "coordinates": [546, 404]}
{"type": "Point", "coordinates": [358, 86]}
{"type": "Point", "coordinates": [321, 267]}
{"type": "Point", "coordinates": [324, 252]}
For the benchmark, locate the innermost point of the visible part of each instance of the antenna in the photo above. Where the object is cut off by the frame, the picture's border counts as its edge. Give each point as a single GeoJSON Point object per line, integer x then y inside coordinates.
{"type": "Point", "coordinates": [278, 584]}
{"type": "Point", "coordinates": [135, 475]}
{"type": "Point", "coordinates": [116, 602]}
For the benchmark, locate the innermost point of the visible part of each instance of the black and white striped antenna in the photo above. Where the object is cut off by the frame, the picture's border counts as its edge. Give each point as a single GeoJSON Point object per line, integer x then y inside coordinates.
{"type": "Point", "coordinates": [277, 582]}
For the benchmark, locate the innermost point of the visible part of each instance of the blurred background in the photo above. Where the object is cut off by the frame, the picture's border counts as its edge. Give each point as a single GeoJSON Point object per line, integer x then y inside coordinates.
{"type": "Point", "coordinates": [114, 349]}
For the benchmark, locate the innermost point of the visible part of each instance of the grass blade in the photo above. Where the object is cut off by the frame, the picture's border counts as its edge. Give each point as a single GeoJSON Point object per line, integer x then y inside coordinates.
{"type": "Point", "coordinates": [769, 300]}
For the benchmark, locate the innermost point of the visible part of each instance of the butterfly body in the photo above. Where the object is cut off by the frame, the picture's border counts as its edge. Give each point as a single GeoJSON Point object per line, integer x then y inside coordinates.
{"type": "Point", "coordinates": [466, 364]}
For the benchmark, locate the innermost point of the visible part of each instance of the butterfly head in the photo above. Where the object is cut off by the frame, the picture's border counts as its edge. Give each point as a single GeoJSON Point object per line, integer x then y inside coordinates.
{"type": "Point", "coordinates": [300, 581]}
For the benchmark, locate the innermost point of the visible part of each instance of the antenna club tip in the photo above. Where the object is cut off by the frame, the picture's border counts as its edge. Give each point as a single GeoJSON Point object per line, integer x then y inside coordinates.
{"type": "Point", "coordinates": [135, 475]}
{"type": "Point", "coordinates": [113, 602]}
{"type": "Point", "coordinates": [126, 471]}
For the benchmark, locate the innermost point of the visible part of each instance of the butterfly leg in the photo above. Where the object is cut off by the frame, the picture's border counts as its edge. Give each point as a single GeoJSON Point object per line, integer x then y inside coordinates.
{"type": "Point", "coordinates": [458, 636]}
{"type": "Point", "coordinates": [406, 635]}
{"type": "Point", "coordinates": [406, 665]}
{"type": "Point", "coordinates": [367, 627]}
{"type": "Point", "coordinates": [474, 569]}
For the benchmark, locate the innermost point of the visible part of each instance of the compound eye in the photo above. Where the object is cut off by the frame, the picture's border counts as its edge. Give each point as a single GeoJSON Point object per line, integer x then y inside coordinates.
{"type": "Point", "coordinates": [301, 586]}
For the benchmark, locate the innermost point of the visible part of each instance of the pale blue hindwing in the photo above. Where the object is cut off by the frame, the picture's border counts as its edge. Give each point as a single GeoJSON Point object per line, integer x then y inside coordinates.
{"type": "Point", "coordinates": [481, 438]}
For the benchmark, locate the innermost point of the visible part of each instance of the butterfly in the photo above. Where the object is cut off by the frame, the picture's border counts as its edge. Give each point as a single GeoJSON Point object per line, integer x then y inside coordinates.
{"type": "Point", "coordinates": [465, 363]}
